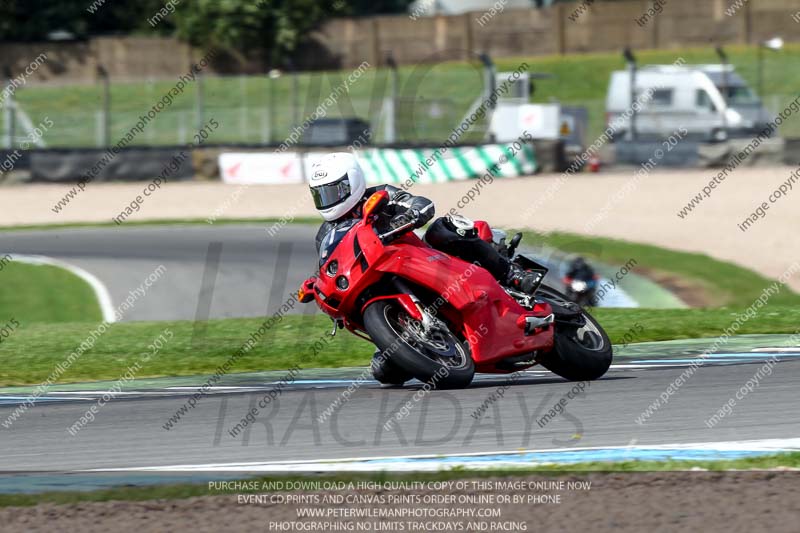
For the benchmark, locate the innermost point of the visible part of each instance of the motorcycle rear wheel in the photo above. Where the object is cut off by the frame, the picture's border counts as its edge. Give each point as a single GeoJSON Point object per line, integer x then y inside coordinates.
{"type": "Point", "coordinates": [439, 359]}
{"type": "Point", "coordinates": [579, 353]}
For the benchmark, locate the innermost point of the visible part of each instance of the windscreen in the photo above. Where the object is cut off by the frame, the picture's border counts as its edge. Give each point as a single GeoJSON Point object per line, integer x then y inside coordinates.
{"type": "Point", "coordinates": [333, 238]}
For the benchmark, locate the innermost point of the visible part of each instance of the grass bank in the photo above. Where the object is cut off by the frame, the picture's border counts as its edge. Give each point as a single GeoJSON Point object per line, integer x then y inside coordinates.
{"type": "Point", "coordinates": [721, 283]}
{"type": "Point", "coordinates": [43, 294]}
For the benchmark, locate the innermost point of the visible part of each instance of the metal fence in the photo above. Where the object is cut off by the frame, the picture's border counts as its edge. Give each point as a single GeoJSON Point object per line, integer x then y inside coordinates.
{"type": "Point", "coordinates": [258, 110]}
{"type": "Point", "coordinates": [249, 110]}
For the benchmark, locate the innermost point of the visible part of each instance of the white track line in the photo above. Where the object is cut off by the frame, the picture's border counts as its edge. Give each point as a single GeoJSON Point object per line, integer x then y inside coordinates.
{"type": "Point", "coordinates": [405, 462]}
{"type": "Point", "coordinates": [100, 290]}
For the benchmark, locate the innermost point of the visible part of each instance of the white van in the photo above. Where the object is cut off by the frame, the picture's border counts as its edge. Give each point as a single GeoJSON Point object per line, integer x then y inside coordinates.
{"type": "Point", "coordinates": [689, 97]}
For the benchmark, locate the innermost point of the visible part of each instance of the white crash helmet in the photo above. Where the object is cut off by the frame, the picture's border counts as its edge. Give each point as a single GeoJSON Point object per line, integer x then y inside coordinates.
{"type": "Point", "coordinates": [337, 184]}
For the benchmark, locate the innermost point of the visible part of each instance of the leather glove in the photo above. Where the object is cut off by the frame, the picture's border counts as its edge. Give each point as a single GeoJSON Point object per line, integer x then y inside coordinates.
{"type": "Point", "coordinates": [412, 215]}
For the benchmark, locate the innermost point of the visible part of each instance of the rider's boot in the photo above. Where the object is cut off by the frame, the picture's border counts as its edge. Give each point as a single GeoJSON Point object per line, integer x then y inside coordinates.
{"type": "Point", "coordinates": [522, 280]}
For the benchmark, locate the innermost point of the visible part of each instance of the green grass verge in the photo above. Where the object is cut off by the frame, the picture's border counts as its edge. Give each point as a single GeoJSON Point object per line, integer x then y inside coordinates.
{"type": "Point", "coordinates": [671, 324]}
{"type": "Point", "coordinates": [43, 293]}
{"type": "Point", "coordinates": [32, 352]}
{"type": "Point", "coordinates": [190, 490]}
{"type": "Point", "coordinates": [725, 283]}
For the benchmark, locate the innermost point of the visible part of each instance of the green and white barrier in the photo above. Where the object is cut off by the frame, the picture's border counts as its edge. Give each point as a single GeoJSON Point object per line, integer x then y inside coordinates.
{"type": "Point", "coordinates": [387, 165]}
{"type": "Point", "coordinates": [440, 165]}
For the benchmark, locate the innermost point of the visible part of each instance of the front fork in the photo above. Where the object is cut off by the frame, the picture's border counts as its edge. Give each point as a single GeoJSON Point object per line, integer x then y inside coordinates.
{"type": "Point", "coordinates": [427, 320]}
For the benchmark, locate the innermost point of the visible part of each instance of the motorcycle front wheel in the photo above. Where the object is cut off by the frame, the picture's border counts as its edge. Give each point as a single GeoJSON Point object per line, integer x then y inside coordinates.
{"type": "Point", "coordinates": [388, 373]}
{"type": "Point", "coordinates": [438, 357]}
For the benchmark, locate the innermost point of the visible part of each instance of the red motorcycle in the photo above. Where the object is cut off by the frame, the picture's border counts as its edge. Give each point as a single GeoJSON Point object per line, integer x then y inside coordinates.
{"type": "Point", "coordinates": [439, 319]}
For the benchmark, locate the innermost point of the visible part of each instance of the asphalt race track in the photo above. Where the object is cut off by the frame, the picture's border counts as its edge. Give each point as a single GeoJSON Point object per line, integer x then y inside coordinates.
{"type": "Point", "coordinates": [242, 269]}
{"type": "Point", "coordinates": [241, 264]}
{"type": "Point", "coordinates": [129, 431]}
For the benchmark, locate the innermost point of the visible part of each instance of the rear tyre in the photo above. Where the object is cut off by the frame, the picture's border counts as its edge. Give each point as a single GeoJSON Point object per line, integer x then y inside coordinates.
{"type": "Point", "coordinates": [580, 353]}
{"type": "Point", "coordinates": [438, 358]}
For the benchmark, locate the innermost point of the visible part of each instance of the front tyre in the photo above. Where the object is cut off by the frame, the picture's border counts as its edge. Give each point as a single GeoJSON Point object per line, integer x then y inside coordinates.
{"type": "Point", "coordinates": [438, 357]}
{"type": "Point", "coordinates": [386, 372]}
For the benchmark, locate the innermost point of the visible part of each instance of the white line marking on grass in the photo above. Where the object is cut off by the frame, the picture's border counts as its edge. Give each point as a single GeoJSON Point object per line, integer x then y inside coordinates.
{"type": "Point", "coordinates": [100, 290]}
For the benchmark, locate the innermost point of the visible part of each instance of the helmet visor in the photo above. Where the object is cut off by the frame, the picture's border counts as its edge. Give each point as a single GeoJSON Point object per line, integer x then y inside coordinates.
{"type": "Point", "coordinates": [331, 194]}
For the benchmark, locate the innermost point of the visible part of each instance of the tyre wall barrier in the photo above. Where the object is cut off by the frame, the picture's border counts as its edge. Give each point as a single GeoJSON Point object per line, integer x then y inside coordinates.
{"type": "Point", "coordinates": [133, 164]}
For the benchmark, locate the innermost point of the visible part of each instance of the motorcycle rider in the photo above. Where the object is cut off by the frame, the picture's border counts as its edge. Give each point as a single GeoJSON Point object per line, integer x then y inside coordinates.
{"type": "Point", "coordinates": [578, 268]}
{"type": "Point", "coordinates": [339, 190]}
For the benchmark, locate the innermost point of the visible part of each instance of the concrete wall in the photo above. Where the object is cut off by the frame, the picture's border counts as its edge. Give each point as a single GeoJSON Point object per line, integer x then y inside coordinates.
{"type": "Point", "coordinates": [556, 30]}
{"type": "Point", "coordinates": [123, 58]}
{"type": "Point", "coordinates": [345, 43]}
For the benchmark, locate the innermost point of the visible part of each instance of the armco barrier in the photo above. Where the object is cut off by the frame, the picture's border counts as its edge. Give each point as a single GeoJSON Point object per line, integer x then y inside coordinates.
{"type": "Point", "coordinates": [387, 165]}
{"type": "Point", "coordinates": [791, 152]}
{"type": "Point", "coordinates": [683, 154]}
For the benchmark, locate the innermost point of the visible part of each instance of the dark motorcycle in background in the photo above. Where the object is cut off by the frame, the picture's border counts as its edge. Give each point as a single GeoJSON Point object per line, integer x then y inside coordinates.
{"type": "Point", "coordinates": [580, 282]}
{"type": "Point", "coordinates": [581, 291]}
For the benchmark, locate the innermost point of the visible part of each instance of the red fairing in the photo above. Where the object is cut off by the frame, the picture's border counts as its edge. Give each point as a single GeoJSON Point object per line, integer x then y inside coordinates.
{"type": "Point", "coordinates": [471, 300]}
{"type": "Point", "coordinates": [484, 230]}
